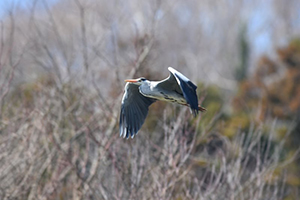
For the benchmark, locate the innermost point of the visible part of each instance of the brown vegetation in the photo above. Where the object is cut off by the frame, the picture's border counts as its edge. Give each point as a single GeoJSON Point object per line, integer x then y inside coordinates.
{"type": "Point", "coordinates": [61, 80]}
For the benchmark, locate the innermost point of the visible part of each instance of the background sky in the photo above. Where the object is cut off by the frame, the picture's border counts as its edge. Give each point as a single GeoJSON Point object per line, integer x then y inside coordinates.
{"type": "Point", "coordinates": [6, 5]}
{"type": "Point", "coordinates": [258, 32]}
{"type": "Point", "coordinates": [265, 32]}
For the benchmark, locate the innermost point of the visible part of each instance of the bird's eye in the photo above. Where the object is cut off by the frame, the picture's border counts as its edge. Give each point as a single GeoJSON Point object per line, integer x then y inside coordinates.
{"type": "Point", "coordinates": [142, 79]}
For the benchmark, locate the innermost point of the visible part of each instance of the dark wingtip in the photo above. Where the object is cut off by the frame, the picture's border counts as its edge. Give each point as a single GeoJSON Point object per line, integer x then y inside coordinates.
{"type": "Point", "coordinates": [190, 83]}
{"type": "Point", "coordinates": [195, 112]}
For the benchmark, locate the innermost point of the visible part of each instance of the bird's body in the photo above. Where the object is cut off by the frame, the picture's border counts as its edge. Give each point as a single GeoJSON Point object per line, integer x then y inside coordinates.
{"type": "Point", "coordinates": [153, 90]}
{"type": "Point", "coordinates": [141, 93]}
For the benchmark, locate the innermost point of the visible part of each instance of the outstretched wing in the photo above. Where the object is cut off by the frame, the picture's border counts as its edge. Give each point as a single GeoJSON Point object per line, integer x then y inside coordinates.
{"type": "Point", "coordinates": [170, 84]}
{"type": "Point", "coordinates": [187, 87]}
{"type": "Point", "coordinates": [134, 110]}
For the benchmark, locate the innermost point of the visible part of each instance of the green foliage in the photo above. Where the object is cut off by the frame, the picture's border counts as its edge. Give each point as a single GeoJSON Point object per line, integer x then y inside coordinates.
{"type": "Point", "coordinates": [213, 101]}
{"type": "Point", "coordinates": [241, 71]}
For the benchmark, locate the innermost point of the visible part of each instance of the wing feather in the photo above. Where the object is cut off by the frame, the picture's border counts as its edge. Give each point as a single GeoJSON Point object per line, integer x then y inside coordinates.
{"type": "Point", "coordinates": [170, 83]}
{"type": "Point", "coordinates": [134, 110]}
{"type": "Point", "coordinates": [188, 89]}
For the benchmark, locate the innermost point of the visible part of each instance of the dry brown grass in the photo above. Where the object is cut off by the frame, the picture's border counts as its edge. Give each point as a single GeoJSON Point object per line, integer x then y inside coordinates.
{"type": "Point", "coordinates": [60, 143]}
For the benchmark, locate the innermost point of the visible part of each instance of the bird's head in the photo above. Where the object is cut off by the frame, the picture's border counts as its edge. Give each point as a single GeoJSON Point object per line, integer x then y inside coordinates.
{"type": "Point", "coordinates": [138, 81]}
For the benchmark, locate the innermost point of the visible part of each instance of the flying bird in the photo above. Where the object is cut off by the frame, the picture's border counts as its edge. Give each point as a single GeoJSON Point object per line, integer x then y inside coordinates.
{"type": "Point", "coordinates": [141, 93]}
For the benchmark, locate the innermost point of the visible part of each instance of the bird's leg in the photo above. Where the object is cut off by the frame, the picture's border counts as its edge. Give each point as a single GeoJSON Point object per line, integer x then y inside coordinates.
{"type": "Point", "coordinates": [199, 107]}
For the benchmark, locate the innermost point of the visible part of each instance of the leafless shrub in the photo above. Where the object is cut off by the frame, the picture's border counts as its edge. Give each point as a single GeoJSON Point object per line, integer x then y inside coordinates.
{"type": "Point", "coordinates": [59, 116]}
{"type": "Point", "coordinates": [58, 146]}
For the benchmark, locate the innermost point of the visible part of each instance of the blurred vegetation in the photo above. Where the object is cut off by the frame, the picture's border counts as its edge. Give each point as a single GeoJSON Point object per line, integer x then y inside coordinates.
{"type": "Point", "coordinates": [241, 71]}
{"type": "Point", "coordinates": [70, 148]}
{"type": "Point", "coordinates": [61, 84]}
{"type": "Point", "coordinates": [272, 93]}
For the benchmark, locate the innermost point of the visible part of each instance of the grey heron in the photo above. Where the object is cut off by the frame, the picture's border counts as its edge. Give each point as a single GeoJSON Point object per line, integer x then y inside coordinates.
{"type": "Point", "coordinates": [141, 93]}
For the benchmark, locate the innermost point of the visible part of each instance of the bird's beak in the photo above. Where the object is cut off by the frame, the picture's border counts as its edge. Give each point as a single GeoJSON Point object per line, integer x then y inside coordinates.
{"type": "Point", "coordinates": [131, 80]}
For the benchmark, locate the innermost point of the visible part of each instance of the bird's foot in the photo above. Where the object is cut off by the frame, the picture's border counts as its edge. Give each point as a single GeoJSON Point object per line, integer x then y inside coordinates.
{"type": "Point", "coordinates": [201, 108]}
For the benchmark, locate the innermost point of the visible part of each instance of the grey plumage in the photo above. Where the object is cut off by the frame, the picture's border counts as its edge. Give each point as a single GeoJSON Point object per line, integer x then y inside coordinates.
{"type": "Point", "coordinates": [134, 110]}
{"type": "Point", "coordinates": [141, 93]}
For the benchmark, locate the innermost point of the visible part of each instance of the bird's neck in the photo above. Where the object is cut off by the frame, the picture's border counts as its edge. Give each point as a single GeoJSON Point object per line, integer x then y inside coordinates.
{"type": "Point", "coordinates": [146, 88]}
